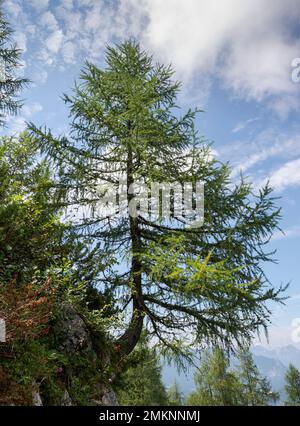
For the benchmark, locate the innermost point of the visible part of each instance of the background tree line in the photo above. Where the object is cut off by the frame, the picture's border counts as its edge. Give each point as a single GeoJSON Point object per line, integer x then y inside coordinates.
{"type": "Point", "coordinates": [217, 382]}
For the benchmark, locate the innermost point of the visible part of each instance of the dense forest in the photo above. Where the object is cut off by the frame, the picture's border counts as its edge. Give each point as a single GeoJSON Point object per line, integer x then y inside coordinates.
{"type": "Point", "coordinates": [92, 303]}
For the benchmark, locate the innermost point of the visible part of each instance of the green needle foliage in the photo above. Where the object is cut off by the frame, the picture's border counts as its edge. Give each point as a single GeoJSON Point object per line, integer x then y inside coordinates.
{"type": "Point", "coordinates": [141, 383]}
{"type": "Point", "coordinates": [42, 269]}
{"type": "Point", "coordinates": [292, 386]}
{"type": "Point", "coordinates": [10, 83]}
{"type": "Point", "coordinates": [30, 229]}
{"type": "Point", "coordinates": [176, 281]}
{"type": "Point", "coordinates": [256, 390]}
{"type": "Point", "coordinates": [215, 383]}
{"type": "Point", "coordinates": [175, 397]}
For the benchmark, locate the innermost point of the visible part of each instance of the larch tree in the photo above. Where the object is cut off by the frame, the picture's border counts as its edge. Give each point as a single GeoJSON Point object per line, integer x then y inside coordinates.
{"type": "Point", "coordinates": [216, 384]}
{"type": "Point", "coordinates": [169, 277]}
{"type": "Point", "coordinates": [256, 389]}
{"type": "Point", "coordinates": [30, 231]}
{"type": "Point", "coordinates": [141, 382]}
{"type": "Point", "coordinates": [292, 387]}
{"type": "Point", "coordinates": [43, 270]}
{"type": "Point", "coordinates": [10, 62]}
{"type": "Point", "coordinates": [175, 397]}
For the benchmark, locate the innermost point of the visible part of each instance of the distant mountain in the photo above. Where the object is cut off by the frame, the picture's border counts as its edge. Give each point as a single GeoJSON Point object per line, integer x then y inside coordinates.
{"type": "Point", "coordinates": [261, 350]}
{"type": "Point", "coordinates": [184, 379]}
{"type": "Point", "coordinates": [289, 354]}
{"type": "Point", "coordinates": [286, 354]}
{"type": "Point", "coordinates": [272, 363]}
{"type": "Point", "coordinates": [273, 369]}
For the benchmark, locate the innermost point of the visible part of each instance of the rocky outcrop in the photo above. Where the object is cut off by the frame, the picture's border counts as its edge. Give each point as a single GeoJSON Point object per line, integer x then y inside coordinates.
{"type": "Point", "coordinates": [36, 398]}
{"type": "Point", "coordinates": [80, 347]}
{"type": "Point", "coordinates": [109, 398]}
{"type": "Point", "coordinates": [73, 336]}
{"type": "Point", "coordinates": [66, 400]}
{"type": "Point", "coordinates": [71, 332]}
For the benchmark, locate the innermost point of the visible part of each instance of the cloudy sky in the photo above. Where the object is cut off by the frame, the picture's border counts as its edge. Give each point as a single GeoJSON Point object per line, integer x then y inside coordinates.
{"type": "Point", "coordinates": [235, 61]}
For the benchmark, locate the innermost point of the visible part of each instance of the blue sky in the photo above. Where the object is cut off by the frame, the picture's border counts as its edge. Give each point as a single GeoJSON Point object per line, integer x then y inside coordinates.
{"type": "Point", "coordinates": [234, 59]}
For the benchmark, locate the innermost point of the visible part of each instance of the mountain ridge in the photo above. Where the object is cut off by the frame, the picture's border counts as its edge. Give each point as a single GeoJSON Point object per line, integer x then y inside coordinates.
{"type": "Point", "coordinates": [272, 363]}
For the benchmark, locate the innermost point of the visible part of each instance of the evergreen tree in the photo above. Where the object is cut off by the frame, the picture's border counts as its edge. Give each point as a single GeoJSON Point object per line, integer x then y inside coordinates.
{"type": "Point", "coordinates": [43, 270]}
{"type": "Point", "coordinates": [141, 383]}
{"type": "Point", "coordinates": [292, 386]}
{"type": "Point", "coordinates": [164, 274]}
{"type": "Point", "coordinates": [31, 233]}
{"type": "Point", "coordinates": [215, 383]}
{"type": "Point", "coordinates": [256, 390]}
{"type": "Point", "coordinates": [10, 83]}
{"type": "Point", "coordinates": [174, 395]}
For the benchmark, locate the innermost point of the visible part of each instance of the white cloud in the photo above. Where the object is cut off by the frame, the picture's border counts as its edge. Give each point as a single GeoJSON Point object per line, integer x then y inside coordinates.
{"type": "Point", "coordinates": [259, 66]}
{"type": "Point", "coordinates": [13, 8]}
{"type": "Point", "coordinates": [270, 156]}
{"type": "Point", "coordinates": [39, 76]}
{"type": "Point", "coordinates": [191, 33]}
{"type": "Point", "coordinates": [86, 2]}
{"type": "Point", "coordinates": [39, 4]}
{"type": "Point", "coordinates": [54, 41]}
{"type": "Point", "coordinates": [284, 105]}
{"type": "Point", "coordinates": [247, 44]}
{"type": "Point", "coordinates": [16, 124]}
{"type": "Point", "coordinates": [21, 40]}
{"type": "Point", "coordinates": [295, 297]}
{"type": "Point", "coordinates": [30, 109]}
{"type": "Point", "coordinates": [45, 57]}
{"type": "Point", "coordinates": [48, 21]}
{"type": "Point", "coordinates": [68, 52]}
{"type": "Point", "coordinates": [269, 144]}
{"type": "Point", "coordinates": [30, 29]}
{"type": "Point", "coordinates": [286, 175]}
{"type": "Point", "coordinates": [68, 4]}
{"type": "Point", "coordinates": [243, 124]}
{"type": "Point", "coordinates": [278, 336]}
{"type": "Point", "coordinates": [293, 232]}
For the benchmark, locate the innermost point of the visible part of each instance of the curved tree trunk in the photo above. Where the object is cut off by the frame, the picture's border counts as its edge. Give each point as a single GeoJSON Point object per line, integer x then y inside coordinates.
{"type": "Point", "coordinates": [132, 335]}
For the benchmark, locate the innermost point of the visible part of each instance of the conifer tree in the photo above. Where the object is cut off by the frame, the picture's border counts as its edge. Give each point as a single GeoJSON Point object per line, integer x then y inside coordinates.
{"type": "Point", "coordinates": [292, 386]}
{"type": "Point", "coordinates": [10, 83]}
{"type": "Point", "coordinates": [141, 383]}
{"type": "Point", "coordinates": [256, 390]}
{"type": "Point", "coordinates": [174, 395]}
{"type": "Point", "coordinates": [171, 278]}
{"type": "Point", "coordinates": [31, 233]}
{"type": "Point", "coordinates": [215, 383]}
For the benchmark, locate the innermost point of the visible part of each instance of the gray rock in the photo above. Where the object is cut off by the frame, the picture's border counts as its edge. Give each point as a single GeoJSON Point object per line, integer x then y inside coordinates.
{"type": "Point", "coordinates": [72, 332]}
{"type": "Point", "coordinates": [109, 398]}
{"type": "Point", "coordinates": [66, 400]}
{"type": "Point", "coordinates": [36, 398]}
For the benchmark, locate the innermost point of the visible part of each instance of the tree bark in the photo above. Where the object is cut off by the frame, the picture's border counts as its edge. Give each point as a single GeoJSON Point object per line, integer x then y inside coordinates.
{"type": "Point", "coordinates": [132, 335]}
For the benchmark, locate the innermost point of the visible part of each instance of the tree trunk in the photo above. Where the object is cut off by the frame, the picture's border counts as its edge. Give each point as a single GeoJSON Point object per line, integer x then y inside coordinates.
{"type": "Point", "coordinates": [131, 336]}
